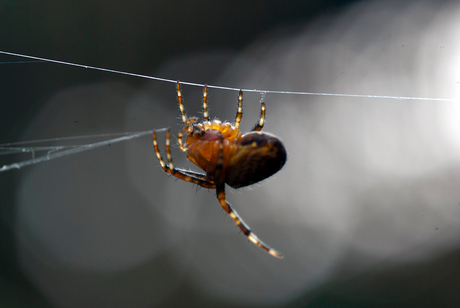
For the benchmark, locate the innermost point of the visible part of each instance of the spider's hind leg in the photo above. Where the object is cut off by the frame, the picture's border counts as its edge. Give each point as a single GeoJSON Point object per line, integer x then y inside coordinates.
{"type": "Point", "coordinates": [228, 208]}
{"type": "Point", "coordinates": [241, 224]}
{"type": "Point", "coordinates": [259, 125]}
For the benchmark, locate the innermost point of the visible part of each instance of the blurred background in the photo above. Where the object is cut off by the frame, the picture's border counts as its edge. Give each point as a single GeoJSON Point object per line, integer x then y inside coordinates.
{"type": "Point", "coordinates": [366, 210]}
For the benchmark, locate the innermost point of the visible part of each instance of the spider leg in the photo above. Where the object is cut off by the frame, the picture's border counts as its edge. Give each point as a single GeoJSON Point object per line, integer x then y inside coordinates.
{"type": "Point", "coordinates": [181, 105]}
{"type": "Point", "coordinates": [205, 104]}
{"type": "Point", "coordinates": [239, 113]}
{"type": "Point", "coordinates": [261, 122]}
{"type": "Point", "coordinates": [185, 175]}
{"type": "Point", "coordinates": [228, 208]}
{"type": "Point", "coordinates": [185, 120]}
{"type": "Point", "coordinates": [241, 224]}
{"type": "Point", "coordinates": [182, 132]}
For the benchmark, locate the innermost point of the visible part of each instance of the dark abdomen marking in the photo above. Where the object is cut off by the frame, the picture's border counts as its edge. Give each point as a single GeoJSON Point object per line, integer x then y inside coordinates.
{"type": "Point", "coordinates": [259, 156]}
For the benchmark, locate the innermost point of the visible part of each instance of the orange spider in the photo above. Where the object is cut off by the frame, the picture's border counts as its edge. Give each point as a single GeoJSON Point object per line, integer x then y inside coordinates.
{"type": "Point", "coordinates": [226, 156]}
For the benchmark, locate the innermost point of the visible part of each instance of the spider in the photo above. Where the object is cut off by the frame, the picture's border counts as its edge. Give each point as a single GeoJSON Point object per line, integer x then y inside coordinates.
{"type": "Point", "coordinates": [226, 156]}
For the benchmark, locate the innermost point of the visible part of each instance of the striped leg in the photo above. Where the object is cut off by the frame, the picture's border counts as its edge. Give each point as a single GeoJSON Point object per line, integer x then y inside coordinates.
{"type": "Point", "coordinates": [241, 224]}
{"type": "Point", "coordinates": [181, 105]}
{"type": "Point", "coordinates": [189, 176]}
{"type": "Point", "coordinates": [188, 128]}
{"type": "Point", "coordinates": [205, 104]}
{"type": "Point", "coordinates": [239, 112]}
{"type": "Point", "coordinates": [261, 122]}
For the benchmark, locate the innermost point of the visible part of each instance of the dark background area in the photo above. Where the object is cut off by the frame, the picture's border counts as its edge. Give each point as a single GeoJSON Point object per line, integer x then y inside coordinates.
{"type": "Point", "coordinates": [143, 37]}
{"type": "Point", "coordinates": [135, 36]}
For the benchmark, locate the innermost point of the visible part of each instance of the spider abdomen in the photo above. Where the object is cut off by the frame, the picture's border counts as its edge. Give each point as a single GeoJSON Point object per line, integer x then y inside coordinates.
{"type": "Point", "coordinates": [258, 156]}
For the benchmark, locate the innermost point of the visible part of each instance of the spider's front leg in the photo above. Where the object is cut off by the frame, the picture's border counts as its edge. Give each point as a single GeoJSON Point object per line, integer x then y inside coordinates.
{"type": "Point", "coordinates": [228, 208]}
{"type": "Point", "coordinates": [186, 175]}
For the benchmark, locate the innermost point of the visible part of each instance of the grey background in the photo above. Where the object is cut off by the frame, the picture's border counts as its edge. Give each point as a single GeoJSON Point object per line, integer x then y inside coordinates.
{"type": "Point", "coordinates": [366, 209]}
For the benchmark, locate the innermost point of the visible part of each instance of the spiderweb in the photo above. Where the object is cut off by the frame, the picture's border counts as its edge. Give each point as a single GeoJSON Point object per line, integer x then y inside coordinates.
{"type": "Point", "coordinates": [54, 152]}
{"type": "Point", "coordinates": [368, 198]}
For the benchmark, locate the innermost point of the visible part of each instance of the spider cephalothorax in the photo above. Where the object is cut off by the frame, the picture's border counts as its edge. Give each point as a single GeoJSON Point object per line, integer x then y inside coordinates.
{"type": "Point", "coordinates": [226, 156]}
